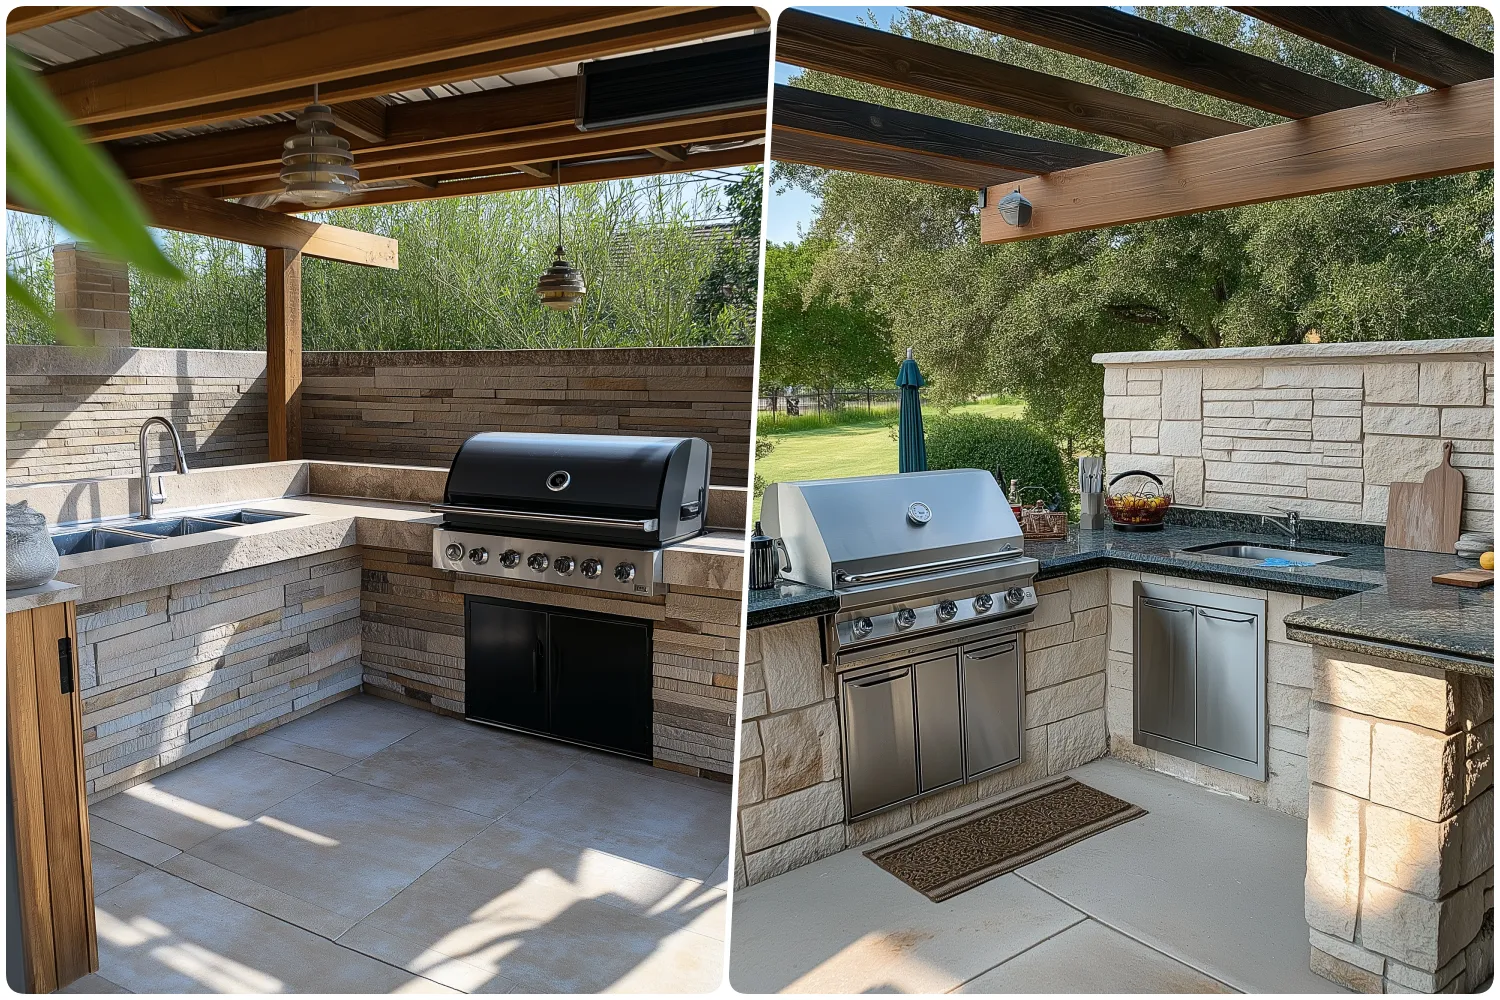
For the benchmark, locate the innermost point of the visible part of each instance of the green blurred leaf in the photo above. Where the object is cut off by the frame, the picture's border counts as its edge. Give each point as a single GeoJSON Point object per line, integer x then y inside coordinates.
{"type": "Point", "coordinates": [64, 331]}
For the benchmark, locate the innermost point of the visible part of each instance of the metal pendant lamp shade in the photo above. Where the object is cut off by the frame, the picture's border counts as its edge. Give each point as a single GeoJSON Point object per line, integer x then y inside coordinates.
{"type": "Point", "coordinates": [317, 166]}
{"type": "Point", "coordinates": [561, 285]}
{"type": "Point", "coordinates": [911, 440]}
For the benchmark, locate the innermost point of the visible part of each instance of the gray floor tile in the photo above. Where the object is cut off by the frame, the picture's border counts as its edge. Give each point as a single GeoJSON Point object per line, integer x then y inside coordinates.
{"type": "Point", "coordinates": [356, 727]}
{"type": "Point", "coordinates": [308, 916]}
{"type": "Point", "coordinates": [344, 845]}
{"type": "Point", "coordinates": [127, 842]}
{"type": "Point", "coordinates": [161, 934]}
{"type": "Point", "coordinates": [1090, 958]}
{"type": "Point", "coordinates": [471, 767]}
{"type": "Point", "coordinates": [1212, 880]}
{"type": "Point", "coordinates": [674, 826]}
{"type": "Point", "coordinates": [843, 925]}
{"type": "Point", "coordinates": [110, 868]}
{"type": "Point", "coordinates": [222, 791]}
{"type": "Point", "coordinates": [539, 932]}
{"type": "Point", "coordinates": [275, 746]}
{"type": "Point", "coordinates": [93, 984]}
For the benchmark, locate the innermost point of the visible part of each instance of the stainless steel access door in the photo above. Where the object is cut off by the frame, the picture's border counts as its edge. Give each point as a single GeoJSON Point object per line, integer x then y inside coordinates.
{"type": "Point", "coordinates": [1227, 695]}
{"type": "Point", "coordinates": [992, 705]}
{"type": "Point", "coordinates": [880, 742]}
{"type": "Point", "coordinates": [1166, 695]}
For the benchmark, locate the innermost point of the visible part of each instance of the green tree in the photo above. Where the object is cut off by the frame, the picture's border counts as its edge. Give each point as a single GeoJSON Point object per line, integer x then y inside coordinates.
{"type": "Point", "coordinates": [812, 335]}
{"type": "Point", "coordinates": [726, 293]}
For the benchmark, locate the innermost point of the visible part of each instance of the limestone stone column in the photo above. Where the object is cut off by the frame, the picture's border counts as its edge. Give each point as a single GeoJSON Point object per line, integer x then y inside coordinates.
{"type": "Point", "coordinates": [1400, 829]}
{"type": "Point", "coordinates": [93, 292]}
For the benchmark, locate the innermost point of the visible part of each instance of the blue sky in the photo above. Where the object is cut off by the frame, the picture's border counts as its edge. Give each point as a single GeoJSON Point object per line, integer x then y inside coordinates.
{"type": "Point", "coordinates": [790, 214]}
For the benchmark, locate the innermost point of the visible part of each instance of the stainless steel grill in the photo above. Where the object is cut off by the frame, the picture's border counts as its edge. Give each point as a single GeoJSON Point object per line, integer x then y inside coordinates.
{"type": "Point", "coordinates": [590, 511]}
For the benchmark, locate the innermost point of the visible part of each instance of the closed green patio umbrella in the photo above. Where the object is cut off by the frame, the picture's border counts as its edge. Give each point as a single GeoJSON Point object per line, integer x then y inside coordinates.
{"type": "Point", "coordinates": [910, 441]}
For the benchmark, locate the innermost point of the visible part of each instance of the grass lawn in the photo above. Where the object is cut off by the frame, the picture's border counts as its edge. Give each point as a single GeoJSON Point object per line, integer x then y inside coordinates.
{"type": "Point", "coordinates": [850, 449]}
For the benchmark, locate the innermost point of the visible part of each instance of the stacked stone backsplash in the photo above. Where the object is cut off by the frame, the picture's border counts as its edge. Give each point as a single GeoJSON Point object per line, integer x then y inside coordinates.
{"type": "Point", "coordinates": [1400, 833]}
{"type": "Point", "coordinates": [1323, 429]}
{"type": "Point", "coordinates": [169, 675]}
{"type": "Point", "coordinates": [791, 799]}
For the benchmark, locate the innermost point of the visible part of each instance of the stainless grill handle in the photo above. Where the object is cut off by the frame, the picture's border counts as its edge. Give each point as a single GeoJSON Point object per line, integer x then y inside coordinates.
{"type": "Point", "coordinates": [886, 574]}
{"type": "Point", "coordinates": [647, 524]}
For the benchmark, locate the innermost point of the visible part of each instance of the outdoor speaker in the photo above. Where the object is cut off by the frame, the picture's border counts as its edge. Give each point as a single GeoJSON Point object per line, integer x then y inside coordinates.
{"type": "Point", "coordinates": [693, 79]}
{"type": "Point", "coordinates": [1015, 209]}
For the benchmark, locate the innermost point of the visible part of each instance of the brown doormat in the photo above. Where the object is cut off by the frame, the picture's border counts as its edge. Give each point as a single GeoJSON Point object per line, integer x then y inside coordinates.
{"type": "Point", "coordinates": [962, 852]}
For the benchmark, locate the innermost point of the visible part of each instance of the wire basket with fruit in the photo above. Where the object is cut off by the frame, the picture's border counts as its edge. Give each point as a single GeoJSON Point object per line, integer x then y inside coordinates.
{"type": "Point", "coordinates": [1140, 508]}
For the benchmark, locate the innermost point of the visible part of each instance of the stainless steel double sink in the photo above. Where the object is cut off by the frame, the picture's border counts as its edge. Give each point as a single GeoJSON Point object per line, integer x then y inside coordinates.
{"type": "Point", "coordinates": [73, 539]}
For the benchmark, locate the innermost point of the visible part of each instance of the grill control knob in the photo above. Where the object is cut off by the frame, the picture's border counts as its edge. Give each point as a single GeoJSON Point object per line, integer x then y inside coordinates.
{"type": "Point", "coordinates": [983, 603]}
{"type": "Point", "coordinates": [863, 627]}
{"type": "Point", "coordinates": [906, 618]}
{"type": "Point", "coordinates": [625, 572]}
{"type": "Point", "coordinates": [479, 556]}
{"type": "Point", "coordinates": [538, 561]}
{"type": "Point", "coordinates": [1014, 596]}
{"type": "Point", "coordinates": [454, 552]}
{"type": "Point", "coordinates": [564, 565]}
{"type": "Point", "coordinates": [592, 568]}
{"type": "Point", "coordinates": [510, 559]}
{"type": "Point", "coordinates": [946, 611]}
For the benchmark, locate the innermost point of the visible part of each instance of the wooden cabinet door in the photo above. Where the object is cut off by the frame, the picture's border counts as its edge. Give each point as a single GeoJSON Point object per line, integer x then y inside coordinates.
{"type": "Point", "coordinates": [49, 807]}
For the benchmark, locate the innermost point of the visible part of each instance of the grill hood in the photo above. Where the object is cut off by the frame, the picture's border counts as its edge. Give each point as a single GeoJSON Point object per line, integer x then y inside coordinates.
{"type": "Point", "coordinates": [638, 491]}
{"type": "Point", "coordinates": [867, 531]}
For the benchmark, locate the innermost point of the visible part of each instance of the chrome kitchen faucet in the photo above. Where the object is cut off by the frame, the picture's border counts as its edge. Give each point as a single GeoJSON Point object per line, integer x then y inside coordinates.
{"type": "Point", "coordinates": [1292, 528]}
{"type": "Point", "coordinates": [148, 499]}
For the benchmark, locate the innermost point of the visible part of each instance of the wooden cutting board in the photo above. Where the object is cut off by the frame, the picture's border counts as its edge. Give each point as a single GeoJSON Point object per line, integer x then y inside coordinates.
{"type": "Point", "coordinates": [1426, 515]}
{"type": "Point", "coordinates": [1466, 578]}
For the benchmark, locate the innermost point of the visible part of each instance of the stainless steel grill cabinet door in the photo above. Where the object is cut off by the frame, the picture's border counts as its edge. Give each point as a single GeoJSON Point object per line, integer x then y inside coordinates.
{"type": "Point", "coordinates": [1166, 689]}
{"type": "Point", "coordinates": [879, 738]}
{"type": "Point", "coordinates": [1226, 683]}
{"type": "Point", "coordinates": [992, 706]}
{"type": "Point", "coordinates": [940, 738]}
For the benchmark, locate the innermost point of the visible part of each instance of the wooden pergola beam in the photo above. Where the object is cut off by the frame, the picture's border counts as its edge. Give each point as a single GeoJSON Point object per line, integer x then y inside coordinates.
{"type": "Point", "coordinates": [894, 163]}
{"type": "Point", "coordinates": [1142, 46]}
{"type": "Point", "coordinates": [1431, 134]}
{"type": "Point", "coordinates": [283, 354]}
{"type": "Point", "coordinates": [889, 60]}
{"type": "Point", "coordinates": [825, 115]}
{"type": "Point", "coordinates": [681, 25]}
{"type": "Point", "coordinates": [187, 212]}
{"type": "Point", "coordinates": [25, 18]}
{"type": "Point", "coordinates": [1385, 38]}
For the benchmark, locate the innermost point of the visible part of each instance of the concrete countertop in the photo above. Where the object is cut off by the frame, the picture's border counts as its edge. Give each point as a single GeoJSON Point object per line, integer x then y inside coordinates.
{"type": "Point", "coordinates": [52, 592]}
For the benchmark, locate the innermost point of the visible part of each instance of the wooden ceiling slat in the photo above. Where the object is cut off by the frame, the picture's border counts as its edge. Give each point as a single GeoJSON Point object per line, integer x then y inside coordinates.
{"type": "Point", "coordinates": [26, 18]}
{"type": "Point", "coordinates": [1439, 132]}
{"type": "Point", "coordinates": [1385, 38]}
{"type": "Point", "coordinates": [271, 64]}
{"type": "Point", "coordinates": [795, 109]}
{"type": "Point", "coordinates": [645, 165]}
{"type": "Point", "coordinates": [836, 153]}
{"type": "Point", "coordinates": [888, 60]}
{"type": "Point", "coordinates": [1142, 46]}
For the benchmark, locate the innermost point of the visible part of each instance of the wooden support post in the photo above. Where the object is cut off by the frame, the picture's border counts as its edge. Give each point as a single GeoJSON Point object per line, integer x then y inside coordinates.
{"type": "Point", "coordinates": [283, 354]}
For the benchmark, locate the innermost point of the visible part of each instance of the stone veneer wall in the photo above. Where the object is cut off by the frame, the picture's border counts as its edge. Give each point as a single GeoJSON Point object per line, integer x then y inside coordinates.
{"type": "Point", "coordinates": [413, 648]}
{"type": "Point", "coordinates": [791, 798]}
{"type": "Point", "coordinates": [417, 407]}
{"type": "Point", "coordinates": [1323, 429]}
{"type": "Point", "coordinates": [77, 414]}
{"type": "Point", "coordinates": [169, 675]}
{"type": "Point", "coordinates": [1400, 836]}
{"type": "Point", "coordinates": [1289, 681]}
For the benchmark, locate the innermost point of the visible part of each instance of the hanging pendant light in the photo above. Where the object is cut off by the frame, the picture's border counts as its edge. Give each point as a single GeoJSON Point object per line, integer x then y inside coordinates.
{"type": "Point", "coordinates": [560, 286]}
{"type": "Point", "coordinates": [317, 167]}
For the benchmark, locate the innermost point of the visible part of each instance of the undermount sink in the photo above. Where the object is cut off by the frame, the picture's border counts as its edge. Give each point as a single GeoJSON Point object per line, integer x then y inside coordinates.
{"type": "Point", "coordinates": [76, 538]}
{"type": "Point", "coordinates": [1262, 553]}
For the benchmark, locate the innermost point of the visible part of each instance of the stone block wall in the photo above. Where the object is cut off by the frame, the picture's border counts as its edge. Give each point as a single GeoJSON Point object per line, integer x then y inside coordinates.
{"type": "Point", "coordinates": [93, 293]}
{"type": "Point", "coordinates": [1289, 681]}
{"type": "Point", "coordinates": [1323, 429]}
{"type": "Point", "coordinates": [1400, 833]}
{"type": "Point", "coordinates": [77, 414]}
{"type": "Point", "coordinates": [413, 647]}
{"type": "Point", "coordinates": [169, 675]}
{"type": "Point", "coordinates": [417, 407]}
{"type": "Point", "coordinates": [791, 797]}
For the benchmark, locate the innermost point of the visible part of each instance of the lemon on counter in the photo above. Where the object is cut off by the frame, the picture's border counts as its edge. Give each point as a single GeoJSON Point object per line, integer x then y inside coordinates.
{"type": "Point", "coordinates": [1487, 561]}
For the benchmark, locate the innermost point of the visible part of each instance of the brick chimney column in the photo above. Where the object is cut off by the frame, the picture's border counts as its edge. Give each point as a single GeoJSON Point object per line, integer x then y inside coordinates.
{"type": "Point", "coordinates": [93, 292]}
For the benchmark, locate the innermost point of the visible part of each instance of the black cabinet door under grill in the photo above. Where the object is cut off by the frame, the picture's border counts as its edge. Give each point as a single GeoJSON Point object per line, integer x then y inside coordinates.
{"type": "Point", "coordinates": [583, 678]}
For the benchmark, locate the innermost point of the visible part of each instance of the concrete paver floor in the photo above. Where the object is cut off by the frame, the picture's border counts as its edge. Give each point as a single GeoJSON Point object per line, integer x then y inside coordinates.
{"type": "Point", "coordinates": [371, 847]}
{"type": "Point", "coordinates": [1203, 894]}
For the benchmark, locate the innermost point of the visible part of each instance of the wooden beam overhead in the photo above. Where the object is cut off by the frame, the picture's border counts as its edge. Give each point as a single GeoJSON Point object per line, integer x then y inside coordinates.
{"type": "Point", "coordinates": [674, 154]}
{"type": "Point", "coordinates": [1438, 132]}
{"type": "Point", "coordinates": [816, 114]}
{"type": "Point", "coordinates": [888, 60]}
{"type": "Point", "coordinates": [25, 18]}
{"type": "Point", "coordinates": [836, 153]}
{"type": "Point", "coordinates": [1142, 46]}
{"type": "Point", "coordinates": [1385, 38]}
{"type": "Point", "coordinates": [363, 119]}
{"type": "Point", "coordinates": [192, 213]}
{"type": "Point", "coordinates": [679, 25]}
{"type": "Point", "coordinates": [533, 169]}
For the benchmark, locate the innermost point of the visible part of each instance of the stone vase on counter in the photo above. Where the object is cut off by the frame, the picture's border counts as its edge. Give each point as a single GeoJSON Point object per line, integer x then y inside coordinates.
{"type": "Point", "coordinates": [30, 557]}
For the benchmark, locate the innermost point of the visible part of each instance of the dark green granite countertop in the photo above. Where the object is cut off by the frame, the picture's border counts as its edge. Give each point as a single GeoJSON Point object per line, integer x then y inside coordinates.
{"type": "Point", "coordinates": [1378, 597]}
